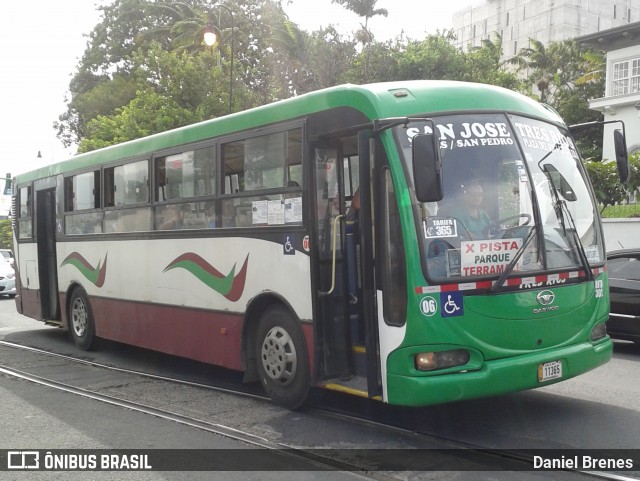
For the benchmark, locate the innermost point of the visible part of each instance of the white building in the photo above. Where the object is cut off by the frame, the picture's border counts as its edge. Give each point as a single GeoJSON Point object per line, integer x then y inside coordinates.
{"type": "Point", "coordinates": [621, 100]}
{"type": "Point", "coordinates": [544, 20]}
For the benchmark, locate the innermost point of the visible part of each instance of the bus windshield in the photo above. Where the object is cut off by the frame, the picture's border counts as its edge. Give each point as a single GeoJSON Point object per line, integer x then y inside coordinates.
{"type": "Point", "coordinates": [515, 198]}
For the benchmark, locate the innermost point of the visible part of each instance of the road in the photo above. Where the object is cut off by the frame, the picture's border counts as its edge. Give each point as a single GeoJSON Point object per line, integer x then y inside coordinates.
{"type": "Point", "coordinates": [34, 417]}
{"type": "Point", "coordinates": [598, 410]}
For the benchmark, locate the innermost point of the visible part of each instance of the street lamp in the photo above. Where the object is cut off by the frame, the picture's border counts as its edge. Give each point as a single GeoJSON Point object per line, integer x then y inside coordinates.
{"type": "Point", "coordinates": [211, 37]}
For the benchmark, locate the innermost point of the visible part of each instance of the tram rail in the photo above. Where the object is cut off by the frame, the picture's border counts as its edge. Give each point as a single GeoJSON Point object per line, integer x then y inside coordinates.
{"type": "Point", "coordinates": [488, 455]}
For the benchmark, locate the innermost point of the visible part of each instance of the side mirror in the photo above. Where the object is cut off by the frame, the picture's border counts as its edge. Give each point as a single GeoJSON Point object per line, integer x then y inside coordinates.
{"type": "Point", "coordinates": [427, 168]}
{"type": "Point", "coordinates": [622, 159]}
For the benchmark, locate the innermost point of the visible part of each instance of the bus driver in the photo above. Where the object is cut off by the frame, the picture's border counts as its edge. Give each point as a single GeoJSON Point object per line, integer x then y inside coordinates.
{"type": "Point", "coordinates": [469, 213]}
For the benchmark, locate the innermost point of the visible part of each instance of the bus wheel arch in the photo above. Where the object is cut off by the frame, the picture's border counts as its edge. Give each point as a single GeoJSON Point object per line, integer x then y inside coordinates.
{"type": "Point", "coordinates": [276, 351]}
{"type": "Point", "coordinates": [80, 319]}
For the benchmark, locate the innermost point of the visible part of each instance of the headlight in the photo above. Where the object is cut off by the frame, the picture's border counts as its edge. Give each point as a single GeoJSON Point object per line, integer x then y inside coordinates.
{"type": "Point", "coordinates": [11, 275]}
{"type": "Point", "coordinates": [598, 331]}
{"type": "Point", "coordinates": [430, 361]}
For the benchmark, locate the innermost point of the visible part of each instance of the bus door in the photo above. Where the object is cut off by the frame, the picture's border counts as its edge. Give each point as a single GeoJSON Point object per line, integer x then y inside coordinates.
{"type": "Point", "coordinates": [346, 327]}
{"type": "Point", "coordinates": [47, 262]}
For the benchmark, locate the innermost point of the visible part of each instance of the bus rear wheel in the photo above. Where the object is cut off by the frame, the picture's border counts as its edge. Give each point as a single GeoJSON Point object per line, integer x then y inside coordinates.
{"type": "Point", "coordinates": [81, 323]}
{"type": "Point", "coordinates": [282, 360]}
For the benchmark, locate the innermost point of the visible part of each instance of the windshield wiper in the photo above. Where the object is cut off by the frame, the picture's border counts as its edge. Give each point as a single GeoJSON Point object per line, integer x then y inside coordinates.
{"type": "Point", "coordinates": [507, 270]}
{"type": "Point", "coordinates": [576, 239]}
{"type": "Point", "coordinates": [562, 213]}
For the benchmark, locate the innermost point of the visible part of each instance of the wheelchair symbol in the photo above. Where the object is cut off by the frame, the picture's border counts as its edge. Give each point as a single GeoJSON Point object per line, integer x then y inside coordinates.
{"type": "Point", "coordinates": [450, 307]}
{"type": "Point", "coordinates": [287, 246]}
{"type": "Point", "coordinates": [452, 304]}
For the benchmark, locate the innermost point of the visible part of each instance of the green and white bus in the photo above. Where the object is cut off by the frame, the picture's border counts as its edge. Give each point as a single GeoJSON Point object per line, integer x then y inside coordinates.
{"type": "Point", "coordinates": [235, 242]}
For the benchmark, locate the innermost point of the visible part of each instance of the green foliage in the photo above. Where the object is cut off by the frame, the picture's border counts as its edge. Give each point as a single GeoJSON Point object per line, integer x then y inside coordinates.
{"type": "Point", "coordinates": [6, 234]}
{"type": "Point", "coordinates": [432, 58]}
{"type": "Point", "coordinates": [131, 35]}
{"type": "Point", "coordinates": [610, 193]}
{"type": "Point", "coordinates": [484, 64]}
{"type": "Point", "coordinates": [170, 95]}
{"type": "Point", "coordinates": [146, 69]}
{"type": "Point", "coordinates": [606, 183]}
{"type": "Point", "coordinates": [304, 62]}
{"type": "Point", "coordinates": [147, 114]}
{"type": "Point", "coordinates": [363, 8]}
{"type": "Point", "coordinates": [633, 184]}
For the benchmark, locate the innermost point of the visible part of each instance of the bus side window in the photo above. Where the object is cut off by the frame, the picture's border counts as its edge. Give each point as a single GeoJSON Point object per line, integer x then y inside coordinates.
{"type": "Point", "coordinates": [109, 188]}
{"type": "Point", "coordinates": [394, 273]}
{"type": "Point", "coordinates": [228, 213]}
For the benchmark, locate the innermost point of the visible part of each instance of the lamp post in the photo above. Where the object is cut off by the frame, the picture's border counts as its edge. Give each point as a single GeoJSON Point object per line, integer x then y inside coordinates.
{"type": "Point", "coordinates": [210, 39]}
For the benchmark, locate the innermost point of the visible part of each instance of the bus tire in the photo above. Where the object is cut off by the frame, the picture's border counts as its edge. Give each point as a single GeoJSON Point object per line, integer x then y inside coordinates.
{"type": "Point", "coordinates": [81, 323]}
{"type": "Point", "coordinates": [282, 360]}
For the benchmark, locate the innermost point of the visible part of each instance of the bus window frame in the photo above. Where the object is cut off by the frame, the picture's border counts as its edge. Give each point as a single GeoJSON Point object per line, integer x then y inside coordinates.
{"type": "Point", "coordinates": [18, 214]}
{"type": "Point", "coordinates": [389, 270]}
{"type": "Point", "coordinates": [98, 185]}
{"type": "Point", "coordinates": [283, 127]}
{"type": "Point", "coordinates": [284, 191]}
{"type": "Point", "coordinates": [213, 143]}
{"type": "Point", "coordinates": [113, 166]}
{"type": "Point", "coordinates": [86, 214]}
{"type": "Point", "coordinates": [108, 209]}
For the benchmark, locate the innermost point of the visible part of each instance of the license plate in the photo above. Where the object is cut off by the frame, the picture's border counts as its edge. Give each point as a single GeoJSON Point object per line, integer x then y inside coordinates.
{"type": "Point", "coordinates": [549, 370]}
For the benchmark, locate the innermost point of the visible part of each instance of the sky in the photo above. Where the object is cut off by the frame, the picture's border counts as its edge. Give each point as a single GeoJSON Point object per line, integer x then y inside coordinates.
{"type": "Point", "coordinates": [41, 42]}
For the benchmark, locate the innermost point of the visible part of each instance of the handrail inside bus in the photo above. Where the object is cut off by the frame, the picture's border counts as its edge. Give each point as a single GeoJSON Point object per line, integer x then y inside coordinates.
{"type": "Point", "coordinates": [333, 261]}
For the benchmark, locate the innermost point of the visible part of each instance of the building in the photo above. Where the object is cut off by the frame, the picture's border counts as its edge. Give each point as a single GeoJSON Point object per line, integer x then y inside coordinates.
{"type": "Point", "coordinates": [622, 93]}
{"type": "Point", "coordinates": [545, 20]}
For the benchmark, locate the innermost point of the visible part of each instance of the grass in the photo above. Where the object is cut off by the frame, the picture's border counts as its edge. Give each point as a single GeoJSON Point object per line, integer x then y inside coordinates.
{"type": "Point", "coordinates": [621, 211]}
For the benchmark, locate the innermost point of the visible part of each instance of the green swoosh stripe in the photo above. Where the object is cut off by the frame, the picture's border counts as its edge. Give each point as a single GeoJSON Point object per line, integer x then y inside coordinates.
{"type": "Point", "coordinates": [95, 275]}
{"type": "Point", "coordinates": [222, 285]}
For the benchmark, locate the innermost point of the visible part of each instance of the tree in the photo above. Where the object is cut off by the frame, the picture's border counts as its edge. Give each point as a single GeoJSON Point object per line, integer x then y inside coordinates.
{"type": "Point", "coordinates": [291, 56]}
{"type": "Point", "coordinates": [107, 56]}
{"type": "Point", "coordinates": [540, 62]}
{"type": "Point", "coordinates": [6, 234]}
{"type": "Point", "coordinates": [145, 64]}
{"type": "Point", "coordinates": [365, 9]}
{"type": "Point", "coordinates": [633, 183]}
{"type": "Point", "coordinates": [329, 58]}
{"type": "Point", "coordinates": [485, 65]}
{"type": "Point", "coordinates": [180, 26]}
{"type": "Point", "coordinates": [432, 58]}
{"type": "Point", "coordinates": [109, 76]}
{"type": "Point", "coordinates": [606, 183]}
{"type": "Point", "coordinates": [174, 89]}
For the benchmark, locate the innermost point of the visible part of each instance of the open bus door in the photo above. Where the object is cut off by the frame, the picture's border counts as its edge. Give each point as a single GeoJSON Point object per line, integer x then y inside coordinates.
{"type": "Point", "coordinates": [47, 262]}
{"type": "Point", "coordinates": [346, 326]}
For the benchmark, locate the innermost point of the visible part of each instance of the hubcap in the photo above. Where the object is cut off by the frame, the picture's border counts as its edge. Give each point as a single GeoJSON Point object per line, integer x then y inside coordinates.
{"type": "Point", "coordinates": [79, 317]}
{"type": "Point", "coordinates": [279, 356]}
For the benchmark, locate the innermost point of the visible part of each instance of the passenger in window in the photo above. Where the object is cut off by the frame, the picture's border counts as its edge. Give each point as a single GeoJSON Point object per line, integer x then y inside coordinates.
{"type": "Point", "coordinates": [210, 212]}
{"type": "Point", "coordinates": [353, 238]}
{"type": "Point", "coordinates": [228, 214]}
{"type": "Point", "coordinates": [468, 211]}
{"type": "Point", "coordinates": [174, 217]}
{"type": "Point", "coordinates": [353, 214]}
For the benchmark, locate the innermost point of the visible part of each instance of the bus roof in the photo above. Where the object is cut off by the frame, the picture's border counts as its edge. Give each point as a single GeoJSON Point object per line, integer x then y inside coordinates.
{"type": "Point", "coordinates": [375, 101]}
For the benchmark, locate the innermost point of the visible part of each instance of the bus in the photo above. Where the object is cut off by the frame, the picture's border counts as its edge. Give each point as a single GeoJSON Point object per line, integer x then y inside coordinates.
{"type": "Point", "coordinates": [320, 242]}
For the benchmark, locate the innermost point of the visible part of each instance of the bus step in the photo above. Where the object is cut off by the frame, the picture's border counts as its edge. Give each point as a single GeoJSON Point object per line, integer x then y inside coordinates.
{"type": "Point", "coordinates": [53, 322]}
{"type": "Point", "coordinates": [356, 385]}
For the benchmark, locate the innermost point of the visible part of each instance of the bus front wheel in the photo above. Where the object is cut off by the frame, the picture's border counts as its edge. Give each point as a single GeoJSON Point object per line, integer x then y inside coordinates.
{"type": "Point", "coordinates": [282, 361]}
{"type": "Point", "coordinates": [81, 323]}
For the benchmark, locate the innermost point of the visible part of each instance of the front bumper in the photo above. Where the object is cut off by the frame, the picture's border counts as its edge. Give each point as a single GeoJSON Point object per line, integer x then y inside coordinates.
{"type": "Point", "coordinates": [8, 286]}
{"type": "Point", "coordinates": [495, 377]}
